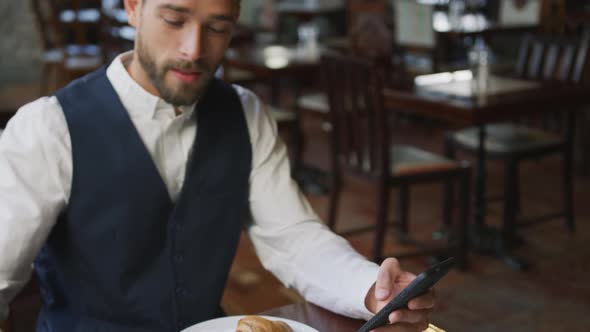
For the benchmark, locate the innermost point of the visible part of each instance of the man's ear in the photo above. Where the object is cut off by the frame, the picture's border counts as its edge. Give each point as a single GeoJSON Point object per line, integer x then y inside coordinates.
{"type": "Point", "coordinates": [133, 8]}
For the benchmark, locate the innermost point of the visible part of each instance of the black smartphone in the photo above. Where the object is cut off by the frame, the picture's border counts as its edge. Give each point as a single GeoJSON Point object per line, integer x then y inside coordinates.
{"type": "Point", "coordinates": [423, 282]}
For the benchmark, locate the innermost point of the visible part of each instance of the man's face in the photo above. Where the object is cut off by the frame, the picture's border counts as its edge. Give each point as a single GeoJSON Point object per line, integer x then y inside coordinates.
{"type": "Point", "coordinates": [180, 43]}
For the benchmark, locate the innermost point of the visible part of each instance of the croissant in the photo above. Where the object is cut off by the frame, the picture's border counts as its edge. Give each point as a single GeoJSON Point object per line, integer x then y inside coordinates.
{"type": "Point", "coordinates": [259, 324]}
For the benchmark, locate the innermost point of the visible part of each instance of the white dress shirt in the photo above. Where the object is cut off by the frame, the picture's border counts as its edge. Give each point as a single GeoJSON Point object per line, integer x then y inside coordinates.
{"type": "Point", "coordinates": [36, 176]}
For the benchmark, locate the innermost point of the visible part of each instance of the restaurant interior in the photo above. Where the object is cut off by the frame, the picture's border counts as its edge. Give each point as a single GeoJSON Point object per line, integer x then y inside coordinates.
{"type": "Point", "coordinates": [417, 129]}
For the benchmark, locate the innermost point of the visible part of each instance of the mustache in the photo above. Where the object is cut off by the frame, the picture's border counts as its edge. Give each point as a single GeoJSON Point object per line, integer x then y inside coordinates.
{"type": "Point", "coordinates": [198, 66]}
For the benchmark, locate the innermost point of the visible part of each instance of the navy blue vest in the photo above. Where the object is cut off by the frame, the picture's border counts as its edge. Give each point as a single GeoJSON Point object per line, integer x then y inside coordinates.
{"type": "Point", "coordinates": [123, 257]}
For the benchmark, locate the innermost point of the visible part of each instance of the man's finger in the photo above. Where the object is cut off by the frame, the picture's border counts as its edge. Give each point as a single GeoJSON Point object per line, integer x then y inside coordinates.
{"type": "Point", "coordinates": [389, 268]}
{"type": "Point", "coordinates": [409, 316]}
{"type": "Point", "coordinates": [426, 301]}
{"type": "Point", "coordinates": [403, 327]}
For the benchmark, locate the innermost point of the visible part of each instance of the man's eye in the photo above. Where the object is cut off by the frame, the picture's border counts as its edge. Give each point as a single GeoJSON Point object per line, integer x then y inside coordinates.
{"type": "Point", "coordinates": [217, 29]}
{"type": "Point", "coordinates": [174, 23]}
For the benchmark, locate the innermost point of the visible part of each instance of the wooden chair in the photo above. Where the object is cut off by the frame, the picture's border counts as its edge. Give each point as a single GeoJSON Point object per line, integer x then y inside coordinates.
{"type": "Point", "coordinates": [67, 51]}
{"type": "Point", "coordinates": [541, 58]}
{"type": "Point", "coordinates": [361, 147]}
{"type": "Point", "coordinates": [7, 325]}
{"type": "Point", "coordinates": [357, 13]}
{"type": "Point", "coordinates": [28, 301]}
{"type": "Point", "coordinates": [369, 36]}
{"type": "Point", "coordinates": [357, 9]}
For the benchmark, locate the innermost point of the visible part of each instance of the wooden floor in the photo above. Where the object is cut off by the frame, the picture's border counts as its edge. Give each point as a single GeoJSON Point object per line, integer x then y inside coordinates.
{"type": "Point", "coordinates": [553, 296]}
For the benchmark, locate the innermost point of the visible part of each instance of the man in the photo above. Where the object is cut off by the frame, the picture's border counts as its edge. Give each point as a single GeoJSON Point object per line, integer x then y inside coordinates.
{"type": "Point", "coordinates": [126, 189]}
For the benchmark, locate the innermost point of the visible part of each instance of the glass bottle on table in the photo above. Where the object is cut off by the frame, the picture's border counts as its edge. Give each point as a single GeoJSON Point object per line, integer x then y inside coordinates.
{"type": "Point", "coordinates": [479, 61]}
{"type": "Point", "coordinates": [308, 40]}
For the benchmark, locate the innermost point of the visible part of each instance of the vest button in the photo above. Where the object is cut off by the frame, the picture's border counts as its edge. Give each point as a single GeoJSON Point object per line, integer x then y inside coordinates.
{"type": "Point", "coordinates": [179, 258]}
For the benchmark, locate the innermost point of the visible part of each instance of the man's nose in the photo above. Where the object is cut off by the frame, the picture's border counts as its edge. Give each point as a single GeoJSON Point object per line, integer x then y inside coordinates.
{"type": "Point", "coordinates": [191, 44]}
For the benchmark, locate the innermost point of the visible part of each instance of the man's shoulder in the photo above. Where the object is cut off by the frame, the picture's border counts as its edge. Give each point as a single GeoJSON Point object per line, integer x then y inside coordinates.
{"type": "Point", "coordinates": [43, 108]}
{"type": "Point", "coordinates": [260, 123]}
{"type": "Point", "coordinates": [251, 103]}
{"type": "Point", "coordinates": [45, 112]}
{"type": "Point", "coordinates": [85, 86]}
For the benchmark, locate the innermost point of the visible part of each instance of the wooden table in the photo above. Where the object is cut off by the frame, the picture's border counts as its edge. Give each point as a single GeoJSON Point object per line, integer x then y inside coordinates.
{"type": "Point", "coordinates": [470, 25]}
{"type": "Point", "coordinates": [272, 59]}
{"type": "Point", "coordinates": [444, 38]}
{"type": "Point", "coordinates": [507, 106]}
{"type": "Point", "coordinates": [273, 62]}
{"type": "Point", "coordinates": [316, 317]}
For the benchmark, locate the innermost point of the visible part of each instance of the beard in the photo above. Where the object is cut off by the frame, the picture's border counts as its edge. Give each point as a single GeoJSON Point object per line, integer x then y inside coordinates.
{"type": "Point", "coordinates": [182, 94]}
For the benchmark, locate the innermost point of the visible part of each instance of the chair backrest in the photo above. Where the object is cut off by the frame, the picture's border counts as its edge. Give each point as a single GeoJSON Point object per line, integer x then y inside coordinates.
{"type": "Point", "coordinates": [28, 299]}
{"type": "Point", "coordinates": [70, 25]}
{"type": "Point", "coordinates": [357, 9]}
{"type": "Point", "coordinates": [551, 58]}
{"type": "Point", "coordinates": [371, 37]}
{"type": "Point", "coordinates": [116, 35]}
{"type": "Point", "coordinates": [85, 20]}
{"type": "Point", "coordinates": [46, 14]}
{"type": "Point", "coordinates": [359, 135]}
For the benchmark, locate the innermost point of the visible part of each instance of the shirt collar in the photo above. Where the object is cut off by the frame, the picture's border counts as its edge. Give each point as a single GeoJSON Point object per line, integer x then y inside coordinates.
{"type": "Point", "coordinates": [138, 101]}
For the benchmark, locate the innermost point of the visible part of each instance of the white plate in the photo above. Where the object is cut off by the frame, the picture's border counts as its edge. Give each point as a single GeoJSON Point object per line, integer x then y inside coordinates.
{"type": "Point", "coordinates": [230, 323]}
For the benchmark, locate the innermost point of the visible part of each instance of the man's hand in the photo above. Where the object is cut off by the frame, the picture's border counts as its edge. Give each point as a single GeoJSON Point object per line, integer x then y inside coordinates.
{"type": "Point", "coordinates": [390, 281]}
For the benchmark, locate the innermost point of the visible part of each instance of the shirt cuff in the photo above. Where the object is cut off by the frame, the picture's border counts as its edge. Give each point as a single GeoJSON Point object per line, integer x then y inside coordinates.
{"type": "Point", "coordinates": [365, 279]}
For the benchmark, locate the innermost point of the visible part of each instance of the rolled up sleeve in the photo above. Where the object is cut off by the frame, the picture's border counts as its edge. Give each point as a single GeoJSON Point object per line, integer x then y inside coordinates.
{"type": "Point", "coordinates": [288, 236]}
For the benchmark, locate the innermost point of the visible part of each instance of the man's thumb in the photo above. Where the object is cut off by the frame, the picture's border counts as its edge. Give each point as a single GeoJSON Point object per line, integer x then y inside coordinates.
{"type": "Point", "coordinates": [384, 279]}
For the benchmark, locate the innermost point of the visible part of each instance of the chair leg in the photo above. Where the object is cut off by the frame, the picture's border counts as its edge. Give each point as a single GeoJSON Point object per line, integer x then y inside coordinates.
{"type": "Point", "coordinates": [403, 210]}
{"type": "Point", "coordinates": [336, 187]}
{"type": "Point", "coordinates": [568, 191]}
{"type": "Point", "coordinates": [462, 229]}
{"type": "Point", "coordinates": [297, 143]}
{"type": "Point", "coordinates": [508, 237]}
{"type": "Point", "coordinates": [448, 188]}
{"type": "Point", "coordinates": [448, 205]}
{"type": "Point", "coordinates": [380, 227]}
{"type": "Point", "coordinates": [517, 196]}
{"type": "Point", "coordinates": [509, 226]}
{"type": "Point", "coordinates": [297, 135]}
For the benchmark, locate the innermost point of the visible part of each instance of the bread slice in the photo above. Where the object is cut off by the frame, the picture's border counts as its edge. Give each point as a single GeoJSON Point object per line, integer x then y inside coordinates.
{"type": "Point", "coordinates": [260, 324]}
